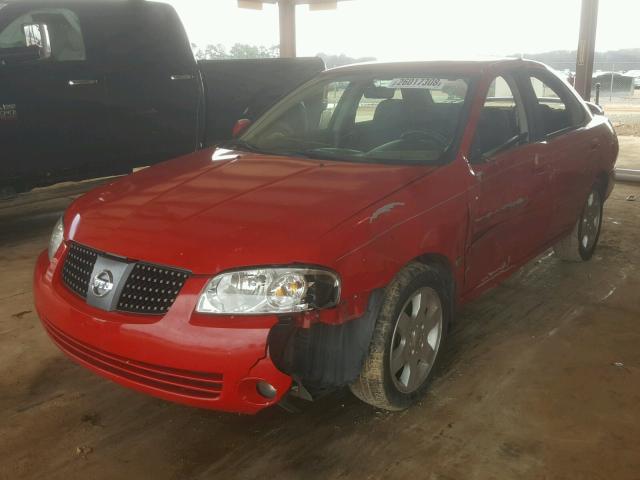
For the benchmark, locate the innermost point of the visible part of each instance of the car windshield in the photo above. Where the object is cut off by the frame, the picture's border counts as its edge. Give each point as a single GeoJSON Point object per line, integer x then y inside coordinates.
{"type": "Point", "coordinates": [408, 118]}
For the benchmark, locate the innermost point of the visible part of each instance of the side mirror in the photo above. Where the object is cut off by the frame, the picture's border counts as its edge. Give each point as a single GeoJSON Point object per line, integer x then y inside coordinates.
{"type": "Point", "coordinates": [37, 35]}
{"type": "Point", "coordinates": [595, 109]}
{"type": "Point", "coordinates": [240, 127]}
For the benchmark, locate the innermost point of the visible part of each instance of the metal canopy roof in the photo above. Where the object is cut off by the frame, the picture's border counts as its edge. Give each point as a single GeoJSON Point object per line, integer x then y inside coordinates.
{"type": "Point", "coordinates": [288, 18]}
{"type": "Point", "coordinates": [320, 4]}
{"type": "Point", "coordinates": [586, 44]}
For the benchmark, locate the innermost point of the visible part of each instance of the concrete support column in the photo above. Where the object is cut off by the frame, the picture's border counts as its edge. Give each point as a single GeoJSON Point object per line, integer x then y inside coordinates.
{"type": "Point", "coordinates": [287, 28]}
{"type": "Point", "coordinates": [586, 48]}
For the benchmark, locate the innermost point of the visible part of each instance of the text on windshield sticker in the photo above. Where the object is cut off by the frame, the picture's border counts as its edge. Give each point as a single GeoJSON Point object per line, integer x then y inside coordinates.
{"type": "Point", "coordinates": [424, 83]}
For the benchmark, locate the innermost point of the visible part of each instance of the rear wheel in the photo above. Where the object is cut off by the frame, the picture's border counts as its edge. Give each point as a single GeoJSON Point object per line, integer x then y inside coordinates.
{"type": "Point", "coordinates": [581, 243]}
{"type": "Point", "coordinates": [409, 332]}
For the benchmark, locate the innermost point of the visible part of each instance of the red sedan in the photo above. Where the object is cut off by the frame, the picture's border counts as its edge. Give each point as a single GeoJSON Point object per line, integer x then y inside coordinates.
{"type": "Point", "coordinates": [330, 244]}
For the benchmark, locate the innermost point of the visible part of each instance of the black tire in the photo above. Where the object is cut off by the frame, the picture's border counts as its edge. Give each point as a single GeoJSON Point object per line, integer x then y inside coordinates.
{"type": "Point", "coordinates": [574, 248]}
{"type": "Point", "coordinates": [8, 192]}
{"type": "Point", "coordinates": [375, 384]}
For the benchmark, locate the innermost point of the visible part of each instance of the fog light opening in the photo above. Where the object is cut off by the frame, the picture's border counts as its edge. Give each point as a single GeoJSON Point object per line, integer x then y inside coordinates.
{"type": "Point", "coordinates": [266, 389]}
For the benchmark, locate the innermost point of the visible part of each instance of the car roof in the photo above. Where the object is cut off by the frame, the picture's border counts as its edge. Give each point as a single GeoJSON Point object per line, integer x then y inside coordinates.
{"type": "Point", "coordinates": [470, 67]}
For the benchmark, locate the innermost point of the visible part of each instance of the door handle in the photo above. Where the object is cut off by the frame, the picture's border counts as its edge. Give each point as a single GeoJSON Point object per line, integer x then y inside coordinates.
{"type": "Point", "coordinates": [183, 76]}
{"type": "Point", "coordinates": [540, 170]}
{"type": "Point", "coordinates": [80, 83]}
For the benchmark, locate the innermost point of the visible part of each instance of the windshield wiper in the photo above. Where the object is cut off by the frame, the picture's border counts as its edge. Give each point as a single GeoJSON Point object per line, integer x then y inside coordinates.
{"type": "Point", "coordinates": [323, 155]}
{"type": "Point", "coordinates": [238, 144]}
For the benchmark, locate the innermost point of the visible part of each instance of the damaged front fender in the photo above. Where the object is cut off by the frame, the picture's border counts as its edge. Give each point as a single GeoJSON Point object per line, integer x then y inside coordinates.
{"type": "Point", "coordinates": [324, 356]}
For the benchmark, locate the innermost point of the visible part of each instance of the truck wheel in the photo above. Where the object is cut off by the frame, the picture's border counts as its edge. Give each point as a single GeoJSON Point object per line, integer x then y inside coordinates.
{"type": "Point", "coordinates": [7, 193]}
{"type": "Point", "coordinates": [409, 331]}
{"type": "Point", "coordinates": [581, 243]}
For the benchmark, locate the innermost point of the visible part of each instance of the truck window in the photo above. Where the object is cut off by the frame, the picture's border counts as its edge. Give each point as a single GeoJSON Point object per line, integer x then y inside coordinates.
{"type": "Point", "coordinates": [63, 26]}
{"type": "Point", "coordinates": [146, 33]}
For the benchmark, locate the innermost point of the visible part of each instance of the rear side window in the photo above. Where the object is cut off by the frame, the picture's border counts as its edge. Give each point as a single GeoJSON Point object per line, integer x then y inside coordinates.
{"type": "Point", "coordinates": [61, 25]}
{"type": "Point", "coordinates": [501, 121]}
{"type": "Point", "coordinates": [556, 109]}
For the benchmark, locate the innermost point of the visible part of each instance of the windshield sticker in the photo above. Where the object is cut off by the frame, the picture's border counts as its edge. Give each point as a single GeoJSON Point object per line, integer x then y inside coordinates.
{"type": "Point", "coordinates": [424, 83]}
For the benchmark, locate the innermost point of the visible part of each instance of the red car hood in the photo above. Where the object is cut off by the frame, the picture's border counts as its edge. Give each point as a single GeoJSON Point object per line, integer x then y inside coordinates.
{"type": "Point", "coordinates": [207, 213]}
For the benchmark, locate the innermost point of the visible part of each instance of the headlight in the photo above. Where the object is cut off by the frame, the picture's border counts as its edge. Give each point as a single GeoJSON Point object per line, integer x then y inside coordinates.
{"type": "Point", "coordinates": [270, 290]}
{"type": "Point", "coordinates": [56, 238]}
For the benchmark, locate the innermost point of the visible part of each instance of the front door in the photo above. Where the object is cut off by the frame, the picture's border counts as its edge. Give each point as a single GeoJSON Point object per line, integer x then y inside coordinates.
{"type": "Point", "coordinates": [509, 185]}
{"type": "Point", "coordinates": [57, 127]}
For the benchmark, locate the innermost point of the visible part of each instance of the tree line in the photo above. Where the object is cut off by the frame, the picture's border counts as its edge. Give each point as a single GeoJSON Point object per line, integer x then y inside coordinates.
{"type": "Point", "coordinates": [245, 51]}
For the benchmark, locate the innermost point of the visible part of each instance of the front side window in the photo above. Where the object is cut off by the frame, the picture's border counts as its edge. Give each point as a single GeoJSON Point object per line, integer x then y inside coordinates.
{"type": "Point", "coordinates": [556, 110]}
{"type": "Point", "coordinates": [502, 123]}
{"type": "Point", "coordinates": [59, 28]}
{"type": "Point", "coordinates": [395, 118]}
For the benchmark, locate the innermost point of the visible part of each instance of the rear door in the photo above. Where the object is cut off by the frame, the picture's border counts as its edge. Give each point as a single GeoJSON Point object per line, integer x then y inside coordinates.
{"type": "Point", "coordinates": [508, 187]}
{"type": "Point", "coordinates": [153, 82]}
{"type": "Point", "coordinates": [58, 121]}
{"type": "Point", "coordinates": [567, 146]}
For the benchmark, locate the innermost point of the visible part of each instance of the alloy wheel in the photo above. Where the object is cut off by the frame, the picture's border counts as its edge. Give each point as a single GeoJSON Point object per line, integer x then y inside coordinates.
{"type": "Point", "coordinates": [416, 340]}
{"type": "Point", "coordinates": [590, 221]}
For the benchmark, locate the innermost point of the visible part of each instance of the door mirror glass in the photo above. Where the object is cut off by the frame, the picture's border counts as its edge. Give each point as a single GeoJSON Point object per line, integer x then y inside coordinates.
{"type": "Point", "coordinates": [37, 37]}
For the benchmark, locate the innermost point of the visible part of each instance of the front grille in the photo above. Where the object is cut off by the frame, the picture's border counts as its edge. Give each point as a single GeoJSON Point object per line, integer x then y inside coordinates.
{"type": "Point", "coordinates": [78, 265]}
{"type": "Point", "coordinates": [149, 289]}
{"type": "Point", "coordinates": [179, 382]}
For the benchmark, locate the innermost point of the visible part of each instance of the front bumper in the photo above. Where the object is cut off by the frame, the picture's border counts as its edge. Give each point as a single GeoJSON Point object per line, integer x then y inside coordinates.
{"type": "Point", "coordinates": [198, 360]}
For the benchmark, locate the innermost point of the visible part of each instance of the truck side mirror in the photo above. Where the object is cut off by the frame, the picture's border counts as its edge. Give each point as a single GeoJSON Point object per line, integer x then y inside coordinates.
{"type": "Point", "coordinates": [37, 35]}
{"type": "Point", "coordinates": [240, 127]}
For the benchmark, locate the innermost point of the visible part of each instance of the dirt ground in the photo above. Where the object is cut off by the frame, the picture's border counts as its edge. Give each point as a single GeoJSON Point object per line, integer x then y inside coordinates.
{"type": "Point", "coordinates": [540, 380]}
{"type": "Point", "coordinates": [625, 116]}
{"type": "Point", "coordinates": [629, 156]}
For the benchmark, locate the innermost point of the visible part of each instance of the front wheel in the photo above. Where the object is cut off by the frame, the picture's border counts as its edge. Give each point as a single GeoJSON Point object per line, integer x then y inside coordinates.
{"type": "Point", "coordinates": [581, 243]}
{"type": "Point", "coordinates": [409, 332]}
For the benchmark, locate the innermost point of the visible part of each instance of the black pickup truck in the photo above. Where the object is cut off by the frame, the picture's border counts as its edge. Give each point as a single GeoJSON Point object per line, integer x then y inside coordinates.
{"type": "Point", "coordinates": [98, 87]}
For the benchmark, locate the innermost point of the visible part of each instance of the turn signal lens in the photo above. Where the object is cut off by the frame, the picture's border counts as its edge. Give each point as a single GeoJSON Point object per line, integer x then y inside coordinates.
{"type": "Point", "coordinates": [57, 235]}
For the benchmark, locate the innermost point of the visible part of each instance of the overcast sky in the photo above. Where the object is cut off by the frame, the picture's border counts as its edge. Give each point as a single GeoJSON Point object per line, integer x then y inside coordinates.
{"type": "Point", "coordinates": [395, 29]}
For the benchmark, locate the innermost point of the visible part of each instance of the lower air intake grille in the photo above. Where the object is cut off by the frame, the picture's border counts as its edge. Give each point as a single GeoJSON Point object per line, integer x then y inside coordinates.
{"type": "Point", "coordinates": [77, 268]}
{"type": "Point", "coordinates": [151, 289]}
{"type": "Point", "coordinates": [182, 383]}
